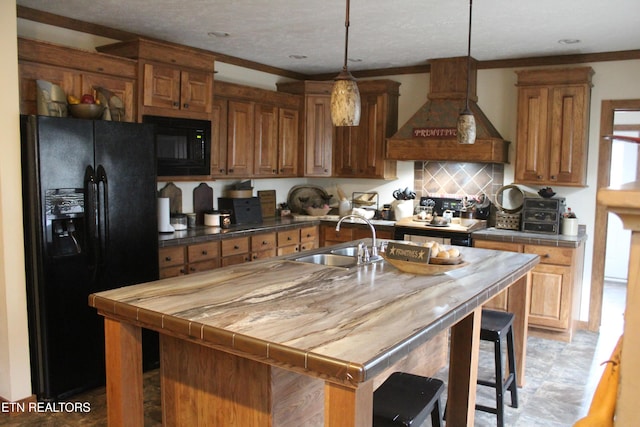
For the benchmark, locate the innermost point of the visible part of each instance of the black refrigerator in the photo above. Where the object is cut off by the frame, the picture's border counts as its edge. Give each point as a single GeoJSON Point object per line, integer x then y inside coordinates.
{"type": "Point", "coordinates": [89, 196]}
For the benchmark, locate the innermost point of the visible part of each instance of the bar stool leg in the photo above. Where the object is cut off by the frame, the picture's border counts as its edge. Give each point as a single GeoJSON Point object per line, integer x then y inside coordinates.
{"type": "Point", "coordinates": [436, 419]}
{"type": "Point", "coordinates": [513, 387]}
{"type": "Point", "coordinates": [499, 383]}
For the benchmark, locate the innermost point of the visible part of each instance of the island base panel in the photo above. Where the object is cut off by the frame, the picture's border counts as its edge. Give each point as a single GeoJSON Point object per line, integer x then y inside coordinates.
{"type": "Point", "coordinates": [124, 373]}
{"type": "Point", "coordinates": [204, 386]}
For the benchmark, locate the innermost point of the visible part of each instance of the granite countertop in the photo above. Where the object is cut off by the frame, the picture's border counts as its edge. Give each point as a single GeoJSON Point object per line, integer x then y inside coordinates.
{"type": "Point", "coordinates": [203, 233]}
{"type": "Point", "coordinates": [512, 236]}
{"type": "Point", "coordinates": [344, 325]}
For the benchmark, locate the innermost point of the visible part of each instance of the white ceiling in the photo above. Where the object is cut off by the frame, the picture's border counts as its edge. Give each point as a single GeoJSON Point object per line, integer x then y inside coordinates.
{"type": "Point", "coordinates": [382, 34]}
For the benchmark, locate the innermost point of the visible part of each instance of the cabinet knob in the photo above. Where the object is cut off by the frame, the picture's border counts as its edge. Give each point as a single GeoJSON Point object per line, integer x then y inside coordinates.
{"type": "Point", "coordinates": [221, 171]}
{"type": "Point", "coordinates": [553, 177]}
{"type": "Point", "coordinates": [182, 271]}
{"type": "Point", "coordinates": [288, 237]}
{"type": "Point", "coordinates": [204, 252]}
{"type": "Point", "coordinates": [192, 269]}
{"type": "Point", "coordinates": [264, 242]}
{"type": "Point", "coordinates": [230, 170]}
{"type": "Point", "coordinates": [547, 256]}
{"type": "Point", "coordinates": [176, 104]}
{"type": "Point", "coordinates": [539, 176]}
{"type": "Point", "coordinates": [236, 247]}
{"type": "Point", "coordinates": [274, 171]}
{"type": "Point", "coordinates": [167, 258]}
{"type": "Point", "coordinates": [281, 170]}
{"type": "Point", "coordinates": [185, 105]}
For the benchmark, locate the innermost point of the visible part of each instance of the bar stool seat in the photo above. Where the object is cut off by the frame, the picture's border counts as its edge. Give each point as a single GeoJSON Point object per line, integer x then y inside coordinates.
{"type": "Point", "coordinates": [494, 326]}
{"type": "Point", "coordinates": [407, 400]}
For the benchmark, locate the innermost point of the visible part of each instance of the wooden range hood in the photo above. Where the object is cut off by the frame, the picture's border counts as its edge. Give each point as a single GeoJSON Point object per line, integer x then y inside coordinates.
{"type": "Point", "coordinates": [430, 133]}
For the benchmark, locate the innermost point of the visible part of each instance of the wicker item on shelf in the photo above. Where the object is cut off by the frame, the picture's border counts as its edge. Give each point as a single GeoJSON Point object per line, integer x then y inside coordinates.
{"type": "Point", "coordinates": [508, 221]}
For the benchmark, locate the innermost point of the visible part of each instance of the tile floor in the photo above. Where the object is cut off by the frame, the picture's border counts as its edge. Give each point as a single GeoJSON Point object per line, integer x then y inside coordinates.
{"type": "Point", "coordinates": [561, 378]}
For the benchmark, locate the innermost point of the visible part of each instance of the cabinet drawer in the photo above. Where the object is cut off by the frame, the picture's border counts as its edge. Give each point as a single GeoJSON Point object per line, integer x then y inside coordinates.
{"type": "Point", "coordinates": [264, 241]}
{"type": "Point", "coordinates": [269, 253]}
{"type": "Point", "coordinates": [290, 237]}
{"type": "Point", "coordinates": [234, 259]}
{"type": "Point", "coordinates": [551, 254]}
{"type": "Point", "coordinates": [305, 246]}
{"type": "Point", "coordinates": [344, 235]}
{"type": "Point", "coordinates": [498, 246]}
{"type": "Point", "coordinates": [236, 246]}
{"type": "Point", "coordinates": [170, 256]}
{"type": "Point", "coordinates": [204, 265]}
{"type": "Point", "coordinates": [288, 250]}
{"type": "Point", "coordinates": [308, 234]}
{"type": "Point", "coordinates": [203, 251]}
{"type": "Point", "coordinates": [175, 271]}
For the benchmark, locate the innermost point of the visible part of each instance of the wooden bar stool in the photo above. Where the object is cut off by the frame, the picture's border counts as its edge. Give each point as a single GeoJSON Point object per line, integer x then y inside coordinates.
{"type": "Point", "coordinates": [407, 400]}
{"type": "Point", "coordinates": [494, 326]}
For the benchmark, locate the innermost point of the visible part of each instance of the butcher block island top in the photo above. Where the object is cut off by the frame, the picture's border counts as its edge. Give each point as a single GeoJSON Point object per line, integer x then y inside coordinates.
{"type": "Point", "coordinates": [344, 326]}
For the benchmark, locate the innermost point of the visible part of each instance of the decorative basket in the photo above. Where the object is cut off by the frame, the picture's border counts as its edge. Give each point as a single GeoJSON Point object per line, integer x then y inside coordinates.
{"type": "Point", "coordinates": [508, 221]}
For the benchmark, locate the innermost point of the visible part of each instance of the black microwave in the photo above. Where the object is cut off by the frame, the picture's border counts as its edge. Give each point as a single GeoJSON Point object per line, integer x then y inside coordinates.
{"type": "Point", "coordinates": [183, 146]}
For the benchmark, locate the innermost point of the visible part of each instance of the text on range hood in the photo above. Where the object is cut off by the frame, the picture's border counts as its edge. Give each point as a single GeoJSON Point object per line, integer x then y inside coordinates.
{"type": "Point", "coordinates": [431, 133]}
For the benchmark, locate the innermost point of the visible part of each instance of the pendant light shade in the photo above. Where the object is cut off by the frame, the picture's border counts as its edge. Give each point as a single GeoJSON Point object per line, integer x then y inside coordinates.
{"type": "Point", "coordinates": [466, 128]}
{"type": "Point", "coordinates": [345, 96]}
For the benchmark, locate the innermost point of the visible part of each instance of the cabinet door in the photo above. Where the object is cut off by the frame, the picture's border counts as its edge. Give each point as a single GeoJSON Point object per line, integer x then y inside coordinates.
{"type": "Point", "coordinates": [122, 88]}
{"type": "Point", "coordinates": [219, 137]}
{"type": "Point", "coordinates": [161, 86]}
{"type": "Point", "coordinates": [532, 148]}
{"type": "Point", "coordinates": [288, 142]}
{"type": "Point", "coordinates": [567, 158]}
{"type": "Point", "coordinates": [68, 80]}
{"type": "Point", "coordinates": [550, 296]}
{"type": "Point", "coordinates": [499, 302]}
{"type": "Point", "coordinates": [239, 138]}
{"type": "Point", "coordinates": [265, 147]}
{"type": "Point", "coordinates": [318, 136]}
{"type": "Point", "coordinates": [196, 91]}
{"type": "Point", "coordinates": [345, 151]}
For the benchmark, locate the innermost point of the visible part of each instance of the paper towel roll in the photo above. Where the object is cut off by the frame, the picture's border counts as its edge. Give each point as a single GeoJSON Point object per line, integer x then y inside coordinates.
{"type": "Point", "coordinates": [164, 226]}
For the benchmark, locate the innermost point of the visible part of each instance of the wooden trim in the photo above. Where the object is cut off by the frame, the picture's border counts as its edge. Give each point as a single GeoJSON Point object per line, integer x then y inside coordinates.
{"type": "Point", "coordinates": [99, 30]}
{"type": "Point", "coordinates": [16, 407]}
{"type": "Point", "coordinates": [608, 109]}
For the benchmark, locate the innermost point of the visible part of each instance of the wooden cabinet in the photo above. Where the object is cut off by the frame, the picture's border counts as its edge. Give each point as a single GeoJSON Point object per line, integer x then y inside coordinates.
{"type": "Point", "coordinates": [263, 245]}
{"type": "Point", "coordinates": [258, 132]}
{"type": "Point", "coordinates": [348, 232]}
{"type": "Point", "coordinates": [234, 250]}
{"type": "Point", "coordinates": [309, 238]}
{"type": "Point", "coordinates": [76, 71]}
{"type": "Point", "coordinates": [175, 89]}
{"type": "Point", "coordinates": [185, 259]}
{"type": "Point", "coordinates": [552, 128]}
{"type": "Point", "coordinates": [359, 151]}
{"type": "Point", "coordinates": [174, 80]}
{"type": "Point", "coordinates": [555, 286]}
{"type": "Point", "coordinates": [317, 138]}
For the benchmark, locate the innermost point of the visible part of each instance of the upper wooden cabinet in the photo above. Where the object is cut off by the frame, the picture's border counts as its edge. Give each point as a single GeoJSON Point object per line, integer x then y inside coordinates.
{"type": "Point", "coordinates": [348, 151]}
{"type": "Point", "coordinates": [174, 80]}
{"type": "Point", "coordinates": [552, 129]}
{"type": "Point", "coordinates": [76, 71]}
{"type": "Point", "coordinates": [257, 132]}
{"type": "Point", "coordinates": [359, 151]}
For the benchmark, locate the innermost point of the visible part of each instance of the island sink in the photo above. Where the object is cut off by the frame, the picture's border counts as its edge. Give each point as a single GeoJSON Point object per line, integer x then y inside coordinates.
{"type": "Point", "coordinates": [329, 259]}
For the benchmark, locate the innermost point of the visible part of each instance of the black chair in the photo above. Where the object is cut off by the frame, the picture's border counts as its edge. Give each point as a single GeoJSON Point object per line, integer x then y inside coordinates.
{"type": "Point", "coordinates": [494, 326]}
{"type": "Point", "coordinates": [407, 400]}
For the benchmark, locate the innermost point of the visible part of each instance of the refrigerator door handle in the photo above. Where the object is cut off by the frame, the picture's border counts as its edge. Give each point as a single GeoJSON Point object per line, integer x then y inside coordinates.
{"type": "Point", "coordinates": [91, 216]}
{"type": "Point", "coordinates": [103, 215]}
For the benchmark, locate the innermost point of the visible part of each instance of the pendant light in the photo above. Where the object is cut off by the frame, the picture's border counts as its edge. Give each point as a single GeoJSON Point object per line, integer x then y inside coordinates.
{"type": "Point", "coordinates": [466, 122]}
{"type": "Point", "coordinates": [345, 96]}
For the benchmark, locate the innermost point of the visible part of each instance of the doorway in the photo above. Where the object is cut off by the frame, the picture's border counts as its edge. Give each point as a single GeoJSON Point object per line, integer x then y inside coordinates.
{"type": "Point", "coordinates": [614, 114]}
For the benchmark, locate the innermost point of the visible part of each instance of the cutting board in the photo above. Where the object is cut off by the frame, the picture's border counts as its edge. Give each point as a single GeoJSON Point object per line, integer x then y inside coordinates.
{"type": "Point", "coordinates": [202, 201]}
{"type": "Point", "coordinates": [175, 197]}
{"type": "Point", "coordinates": [268, 203]}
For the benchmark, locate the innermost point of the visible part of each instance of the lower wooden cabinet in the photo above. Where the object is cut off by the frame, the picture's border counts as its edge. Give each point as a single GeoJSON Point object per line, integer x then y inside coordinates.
{"type": "Point", "coordinates": [555, 286]}
{"type": "Point", "coordinates": [179, 260]}
{"type": "Point", "coordinates": [185, 259]}
{"type": "Point", "coordinates": [348, 232]}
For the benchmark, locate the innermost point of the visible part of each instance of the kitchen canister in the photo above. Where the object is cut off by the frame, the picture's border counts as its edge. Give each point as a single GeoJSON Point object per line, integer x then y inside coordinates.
{"type": "Point", "coordinates": [569, 226]}
{"type": "Point", "coordinates": [164, 226]}
{"type": "Point", "coordinates": [212, 219]}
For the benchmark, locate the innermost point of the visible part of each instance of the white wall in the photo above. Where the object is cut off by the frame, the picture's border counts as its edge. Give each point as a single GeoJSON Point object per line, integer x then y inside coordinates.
{"type": "Point", "coordinates": [15, 381]}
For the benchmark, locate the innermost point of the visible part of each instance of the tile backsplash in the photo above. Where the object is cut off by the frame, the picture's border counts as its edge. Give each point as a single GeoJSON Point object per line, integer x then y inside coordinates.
{"type": "Point", "coordinates": [449, 179]}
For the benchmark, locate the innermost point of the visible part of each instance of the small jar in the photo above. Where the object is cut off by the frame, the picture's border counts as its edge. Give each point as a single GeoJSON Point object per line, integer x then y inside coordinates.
{"type": "Point", "coordinates": [225, 219]}
{"type": "Point", "coordinates": [385, 213]}
{"type": "Point", "coordinates": [212, 218]}
{"type": "Point", "coordinates": [178, 221]}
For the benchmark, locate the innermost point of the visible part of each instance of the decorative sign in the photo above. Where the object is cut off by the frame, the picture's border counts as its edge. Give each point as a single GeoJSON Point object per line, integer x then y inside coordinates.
{"type": "Point", "coordinates": [434, 133]}
{"type": "Point", "coordinates": [408, 252]}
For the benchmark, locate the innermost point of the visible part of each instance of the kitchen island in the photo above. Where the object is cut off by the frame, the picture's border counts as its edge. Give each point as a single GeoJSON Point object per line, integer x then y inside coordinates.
{"type": "Point", "coordinates": [280, 343]}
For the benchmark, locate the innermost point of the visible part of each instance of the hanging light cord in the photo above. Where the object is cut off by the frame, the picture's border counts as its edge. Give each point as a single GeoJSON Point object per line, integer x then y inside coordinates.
{"type": "Point", "coordinates": [468, 56]}
{"type": "Point", "coordinates": [346, 37]}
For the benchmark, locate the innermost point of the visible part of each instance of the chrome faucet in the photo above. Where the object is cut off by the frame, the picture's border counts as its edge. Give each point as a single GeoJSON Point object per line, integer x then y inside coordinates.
{"type": "Point", "coordinates": [365, 252]}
